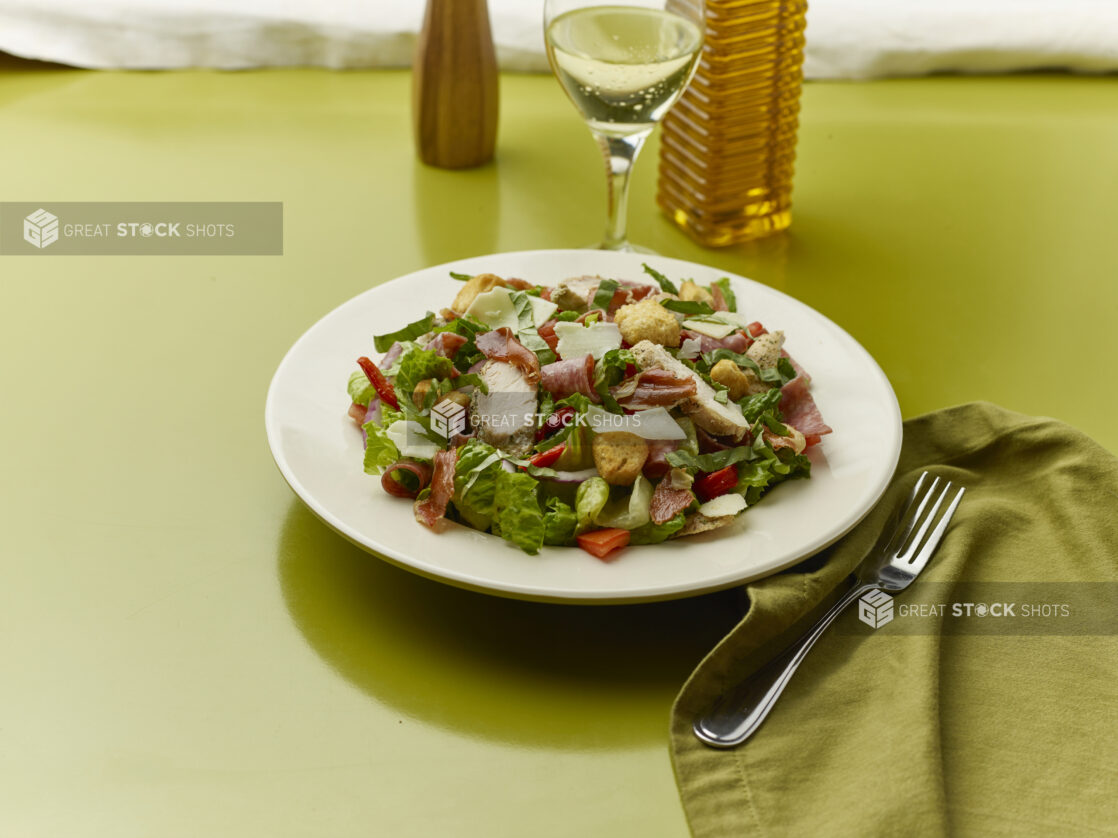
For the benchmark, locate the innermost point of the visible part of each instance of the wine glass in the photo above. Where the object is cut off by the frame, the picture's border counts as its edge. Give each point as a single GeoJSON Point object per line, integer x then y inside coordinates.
{"type": "Point", "coordinates": [623, 64]}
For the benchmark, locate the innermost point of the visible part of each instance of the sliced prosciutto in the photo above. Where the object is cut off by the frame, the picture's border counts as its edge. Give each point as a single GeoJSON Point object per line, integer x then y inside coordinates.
{"type": "Point", "coordinates": [657, 465]}
{"type": "Point", "coordinates": [502, 345]}
{"type": "Point", "coordinates": [638, 290]}
{"type": "Point", "coordinates": [719, 303]}
{"type": "Point", "coordinates": [565, 378]}
{"type": "Point", "coordinates": [667, 502]}
{"type": "Point", "coordinates": [800, 371]}
{"type": "Point", "coordinates": [396, 487]}
{"type": "Point", "coordinates": [653, 388]}
{"type": "Point", "coordinates": [394, 352]}
{"type": "Point", "coordinates": [432, 509]}
{"type": "Point", "coordinates": [799, 410]}
{"type": "Point", "coordinates": [547, 332]}
{"type": "Point", "coordinates": [447, 344]}
{"type": "Point", "coordinates": [736, 342]}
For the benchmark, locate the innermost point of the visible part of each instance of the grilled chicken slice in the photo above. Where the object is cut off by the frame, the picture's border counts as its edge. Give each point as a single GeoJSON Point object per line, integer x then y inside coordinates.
{"type": "Point", "coordinates": [704, 410]}
{"type": "Point", "coordinates": [505, 416]}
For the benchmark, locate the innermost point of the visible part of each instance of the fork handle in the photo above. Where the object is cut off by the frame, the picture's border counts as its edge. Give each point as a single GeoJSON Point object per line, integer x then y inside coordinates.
{"type": "Point", "coordinates": [738, 714]}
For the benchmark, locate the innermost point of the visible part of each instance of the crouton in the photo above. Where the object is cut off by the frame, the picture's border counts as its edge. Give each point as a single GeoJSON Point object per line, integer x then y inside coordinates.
{"type": "Point", "coordinates": [693, 292]}
{"type": "Point", "coordinates": [619, 456]}
{"type": "Point", "coordinates": [765, 351]}
{"type": "Point", "coordinates": [474, 285]}
{"type": "Point", "coordinates": [740, 382]}
{"type": "Point", "coordinates": [697, 522]}
{"type": "Point", "coordinates": [647, 320]}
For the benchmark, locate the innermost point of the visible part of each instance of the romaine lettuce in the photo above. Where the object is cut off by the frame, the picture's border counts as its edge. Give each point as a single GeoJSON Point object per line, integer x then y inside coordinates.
{"type": "Point", "coordinates": [360, 389]}
{"type": "Point", "coordinates": [409, 332]}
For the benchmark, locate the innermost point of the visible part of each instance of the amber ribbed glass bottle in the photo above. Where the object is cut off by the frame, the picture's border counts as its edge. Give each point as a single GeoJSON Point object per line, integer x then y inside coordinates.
{"type": "Point", "coordinates": [728, 146]}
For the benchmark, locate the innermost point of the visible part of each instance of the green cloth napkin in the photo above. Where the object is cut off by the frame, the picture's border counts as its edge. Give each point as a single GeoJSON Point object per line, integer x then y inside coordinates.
{"type": "Point", "coordinates": [945, 732]}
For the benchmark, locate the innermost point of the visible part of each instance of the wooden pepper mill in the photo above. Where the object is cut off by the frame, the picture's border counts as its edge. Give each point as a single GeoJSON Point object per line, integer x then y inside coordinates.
{"type": "Point", "coordinates": [454, 85]}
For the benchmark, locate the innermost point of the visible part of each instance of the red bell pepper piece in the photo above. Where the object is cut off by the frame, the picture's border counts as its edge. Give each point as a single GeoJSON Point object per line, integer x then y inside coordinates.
{"type": "Point", "coordinates": [600, 543]}
{"type": "Point", "coordinates": [547, 458]}
{"type": "Point", "coordinates": [383, 386]}
{"type": "Point", "coordinates": [716, 483]}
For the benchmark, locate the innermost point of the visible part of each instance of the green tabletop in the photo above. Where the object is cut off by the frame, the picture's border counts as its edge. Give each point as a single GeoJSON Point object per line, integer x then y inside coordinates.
{"type": "Point", "coordinates": [185, 650]}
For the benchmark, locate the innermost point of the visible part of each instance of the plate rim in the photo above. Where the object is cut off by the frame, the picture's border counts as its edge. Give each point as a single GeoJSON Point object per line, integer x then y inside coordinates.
{"type": "Point", "coordinates": [525, 592]}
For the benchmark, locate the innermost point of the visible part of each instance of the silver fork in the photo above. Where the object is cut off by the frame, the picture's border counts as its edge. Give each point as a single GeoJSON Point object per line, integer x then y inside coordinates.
{"type": "Point", "coordinates": [897, 558]}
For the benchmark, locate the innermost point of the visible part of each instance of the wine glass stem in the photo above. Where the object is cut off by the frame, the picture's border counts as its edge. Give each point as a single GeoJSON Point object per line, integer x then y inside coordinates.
{"type": "Point", "coordinates": [619, 153]}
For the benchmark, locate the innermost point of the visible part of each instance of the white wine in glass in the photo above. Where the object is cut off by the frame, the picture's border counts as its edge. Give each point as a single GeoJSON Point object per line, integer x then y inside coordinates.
{"type": "Point", "coordinates": [623, 65]}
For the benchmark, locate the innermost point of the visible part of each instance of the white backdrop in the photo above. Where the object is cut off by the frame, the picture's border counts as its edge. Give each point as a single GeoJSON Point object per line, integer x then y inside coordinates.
{"type": "Point", "coordinates": [846, 38]}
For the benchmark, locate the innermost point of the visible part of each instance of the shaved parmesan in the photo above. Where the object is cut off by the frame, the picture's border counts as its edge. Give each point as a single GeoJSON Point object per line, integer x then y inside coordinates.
{"type": "Point", "coordinates": [494, 308]}
{"type": "Point", "coordinates": [411, 441]}
{"type": "Point", "coordinates": [738, 319]}
{"type": "Point", "coordinates": [723, 505]}
{"type": "Point", "coordinates": [690, 349]}
{"type": "Point", "coordinates": [654, 423]}
{"type": "Point", "coordinates": [709, 328]}
{"type": "Point", "coordinates": [576, 340]}
{"type": "Point", "coordinates": [541, 310]}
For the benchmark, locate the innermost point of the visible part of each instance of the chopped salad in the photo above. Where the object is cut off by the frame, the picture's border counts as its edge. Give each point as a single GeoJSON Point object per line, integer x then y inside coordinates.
{"type": "Point", "coordinates": [600, 412]}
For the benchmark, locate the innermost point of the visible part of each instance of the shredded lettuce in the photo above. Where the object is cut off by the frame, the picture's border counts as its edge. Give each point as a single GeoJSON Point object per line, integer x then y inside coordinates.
{"type": "Point", "coordinates": [590, 499]}
{"type": "Point", "coordinates": [755, 406]}
{"type": "Point", "coordinates": [409, 332]}
{"type": "Point", "coordinates": [475, 483]}
{"type": "Point", "coordinates": [380, 451]}
{"type": "Point", "coordinates": [559, 522]}
{"type": "Point", "coordinates": [727, 293]}
{"type": "Point", "coordinates": [691, 307]}
{"type": "Point", "coordinates": [526, 331]}
{"type": "Point", "coordinates": [467, 355]}
{"type": "Point", "coordinates": [604, 295]}
{"type": "Point", "coordinates": [713, 461]}
{"type": "Point", "coordinates": [608, 371]}
{"type": "Point", "coordinates": [360, 389]}
{"type": "Point", "coordinates": [628, 511]}
{"type": "Point", "coordinates": [519, 518]}
{"type": "Point", "coordinates": [666, 285]}
{"type": "Point", "coordinates": [778, 376]}
{"type": "Point", "coordinates": [415, 366]}
{"type": "Point", "coordinates": [690, 444]}
{"type": "Point", "coordinates": [652, 533]}
{"type": "Point", "coordinates": [768, 468]}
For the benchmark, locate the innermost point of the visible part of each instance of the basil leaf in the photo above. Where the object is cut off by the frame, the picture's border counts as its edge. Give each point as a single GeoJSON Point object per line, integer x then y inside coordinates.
{"type": "Point", "coordinates": [727, 293]}
{"type": "Point", "coordinates": [771, 375]}
{"type": "Point", "coordinates": [768, 402]}
{"type": "Point", "coordinates": [687, 306]}
{"type": "Point", "coordinates": [609, 371]}
{"type": "Point", "coordinates": [604, 295]}
{"type": "Point", "coordinates": [461, 277]}
{"type": "Point", "coordinates": [713, 461]}
{"type": "Point", "coordinates": [666, 285]}
{"type": "Point", "coordinates": [409, 332]}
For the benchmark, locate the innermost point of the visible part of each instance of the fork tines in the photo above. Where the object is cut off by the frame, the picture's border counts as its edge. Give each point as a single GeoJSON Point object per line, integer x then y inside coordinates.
{"type": "Point", "coordinates": [909, 548]}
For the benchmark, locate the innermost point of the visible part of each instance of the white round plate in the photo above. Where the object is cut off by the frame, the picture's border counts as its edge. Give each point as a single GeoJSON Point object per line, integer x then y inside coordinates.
{"type": "Point", "coordinates": [318, 448]}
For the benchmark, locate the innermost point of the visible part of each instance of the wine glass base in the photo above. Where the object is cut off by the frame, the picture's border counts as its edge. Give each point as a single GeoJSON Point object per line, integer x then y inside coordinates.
{"type": "Point", "coordinates": [624, 247]}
